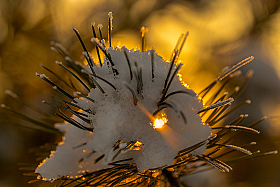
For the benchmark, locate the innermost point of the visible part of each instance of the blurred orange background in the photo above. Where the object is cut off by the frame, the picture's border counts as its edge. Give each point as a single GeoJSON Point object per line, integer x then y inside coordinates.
{"type": "Point", "coordinates": [221, 34]}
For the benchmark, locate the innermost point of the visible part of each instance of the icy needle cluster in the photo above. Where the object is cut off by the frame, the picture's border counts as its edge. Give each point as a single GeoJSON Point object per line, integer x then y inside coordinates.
{"type": "Point", "coordinates": [116, 119]}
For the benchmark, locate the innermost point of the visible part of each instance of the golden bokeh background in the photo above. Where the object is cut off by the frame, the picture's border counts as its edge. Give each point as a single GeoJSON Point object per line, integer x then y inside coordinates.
{"type": "Point", "coordinates": [222, 32]}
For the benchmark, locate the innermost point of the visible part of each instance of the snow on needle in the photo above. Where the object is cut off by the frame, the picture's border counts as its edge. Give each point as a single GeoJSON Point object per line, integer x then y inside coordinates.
{"type": "Point", "coordinates": [134, 122]}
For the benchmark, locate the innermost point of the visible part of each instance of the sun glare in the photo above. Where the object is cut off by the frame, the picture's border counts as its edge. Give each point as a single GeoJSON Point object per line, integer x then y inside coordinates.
{"type": "Point", "coordinates": [159, 122]}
